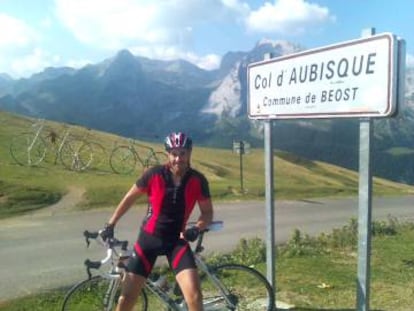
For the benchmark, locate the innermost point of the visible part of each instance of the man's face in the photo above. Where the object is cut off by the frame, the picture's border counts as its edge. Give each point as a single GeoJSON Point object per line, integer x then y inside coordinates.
{"type": "Point", "coordinates": [179, 159]}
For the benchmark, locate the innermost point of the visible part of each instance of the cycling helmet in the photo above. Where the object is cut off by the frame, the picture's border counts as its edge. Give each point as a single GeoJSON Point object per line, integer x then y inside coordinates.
{"type": "Point", "coordinates": [178, 140]}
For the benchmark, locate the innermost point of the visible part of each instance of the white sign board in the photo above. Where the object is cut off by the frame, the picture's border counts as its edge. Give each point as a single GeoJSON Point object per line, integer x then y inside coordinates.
{"type": "Point", "coordinates": [351, 79]}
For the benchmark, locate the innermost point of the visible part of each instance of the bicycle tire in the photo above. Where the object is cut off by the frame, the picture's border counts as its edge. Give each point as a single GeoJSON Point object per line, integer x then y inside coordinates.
{"type": "Point", "coordinates": [76, 155]}
{"type": "Point", "coordinates": [246, 289]}
{"type": "Point", "coordinates": [123, 160]}
{"type": "Point", "coordinates": [19, 149]}
{"type": "Point", "coordinates": [90, 295]}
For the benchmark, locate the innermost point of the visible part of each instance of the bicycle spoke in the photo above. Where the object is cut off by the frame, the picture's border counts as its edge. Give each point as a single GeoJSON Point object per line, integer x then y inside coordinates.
{"type": "Point", "coordinates": [27, 149]}
{"type": "Point", "coordinates": [97, 294]}
{"type": "Point", "coordinates": [76, 155]}
{"type": "Point", "coordinates": [123, 160]}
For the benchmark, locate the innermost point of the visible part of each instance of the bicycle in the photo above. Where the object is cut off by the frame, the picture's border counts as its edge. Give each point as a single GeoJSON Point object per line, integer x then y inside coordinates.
{"type": "Point", "coordinates": [30, 148]}
{"type": "Point", "coordinates": [124, 158]}
{"type": "Point", "coordinates": [224, 287]}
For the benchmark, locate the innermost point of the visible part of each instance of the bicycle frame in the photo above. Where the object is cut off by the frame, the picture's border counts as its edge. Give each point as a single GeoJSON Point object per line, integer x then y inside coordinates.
{"type": "Point", "coordinates": [40, 125]}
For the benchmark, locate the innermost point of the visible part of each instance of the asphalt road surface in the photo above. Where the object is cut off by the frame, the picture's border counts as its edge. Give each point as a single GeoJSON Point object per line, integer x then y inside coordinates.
{"type": "Point", "coordinates": [46, 250]}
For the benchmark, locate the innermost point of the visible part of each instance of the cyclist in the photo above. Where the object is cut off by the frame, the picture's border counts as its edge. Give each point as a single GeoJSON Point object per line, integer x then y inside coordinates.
{"type": "Point", "coordinates": [172, 189]}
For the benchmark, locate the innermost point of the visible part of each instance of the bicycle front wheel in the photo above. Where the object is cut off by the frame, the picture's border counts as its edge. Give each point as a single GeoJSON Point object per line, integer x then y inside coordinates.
{"type": "Point", "coordinates": [27, 149]}
{"type": "Point", "coordinates": [98, 294]}
{"type": "Point", "coordinates": [237, 288]}
{"type": "Point", "coordinates": [123, 160]}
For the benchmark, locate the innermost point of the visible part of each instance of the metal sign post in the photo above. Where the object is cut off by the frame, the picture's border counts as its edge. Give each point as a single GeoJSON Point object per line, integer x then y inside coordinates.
{"type": "Point", "coordinates": [364, 215]}
{"type": "Point", "coordinates": [364, 209]}
{"type": "Point", "coordinates": [270, 208]}
{"type": "Point", "coordinates": [241, 147]}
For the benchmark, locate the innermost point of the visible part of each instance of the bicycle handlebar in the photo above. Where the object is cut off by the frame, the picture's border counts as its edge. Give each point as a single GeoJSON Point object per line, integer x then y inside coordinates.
{"type": "Point", "coordinates": [110, 244]}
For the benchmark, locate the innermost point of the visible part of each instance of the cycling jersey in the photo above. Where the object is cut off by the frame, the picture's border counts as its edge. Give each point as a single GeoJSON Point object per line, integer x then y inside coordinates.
{"type": "Point", "coordinates": [170, 205]}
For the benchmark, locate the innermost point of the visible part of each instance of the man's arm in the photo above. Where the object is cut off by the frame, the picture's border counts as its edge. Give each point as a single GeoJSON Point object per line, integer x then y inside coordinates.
{"type": "Point", "coordinates": [125, 204]}
{"type": "Point", "coordinates": [206, 214]}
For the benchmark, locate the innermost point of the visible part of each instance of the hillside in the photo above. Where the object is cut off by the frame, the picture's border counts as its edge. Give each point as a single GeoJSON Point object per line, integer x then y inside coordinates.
{"type": "Point", "coordinates": [25, 188]}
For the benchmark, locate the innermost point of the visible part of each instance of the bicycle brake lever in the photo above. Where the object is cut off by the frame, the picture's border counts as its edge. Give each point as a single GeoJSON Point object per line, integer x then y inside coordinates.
{"type": "Point", "coordinates": [89, 235]}
{"type": "Point", "coordinates": [86, 235]}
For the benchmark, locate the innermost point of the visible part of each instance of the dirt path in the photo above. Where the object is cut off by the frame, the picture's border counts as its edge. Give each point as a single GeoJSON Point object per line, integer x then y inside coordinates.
{"type": "Point", "coordinates": [73, 197]}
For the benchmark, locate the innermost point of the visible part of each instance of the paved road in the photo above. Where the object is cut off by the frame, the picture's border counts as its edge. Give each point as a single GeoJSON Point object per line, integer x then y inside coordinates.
{"type": "Point", "coordinates": [46, 250]}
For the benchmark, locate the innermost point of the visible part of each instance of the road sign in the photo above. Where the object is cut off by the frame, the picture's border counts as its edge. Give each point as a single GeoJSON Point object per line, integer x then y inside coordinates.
{"type": "Point", "coordinates": [352, 79]}
{"type": "Point", "coordinates": [241, 147]}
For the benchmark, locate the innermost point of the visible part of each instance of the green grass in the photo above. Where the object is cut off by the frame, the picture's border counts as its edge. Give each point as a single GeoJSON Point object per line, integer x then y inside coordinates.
{"type": "Point", "coordinates": [24, 189]}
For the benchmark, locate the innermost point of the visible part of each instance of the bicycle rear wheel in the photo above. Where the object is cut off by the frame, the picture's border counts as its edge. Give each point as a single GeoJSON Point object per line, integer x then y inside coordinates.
{"type": "Point", "coordinates": [97, 294]}
{"type": "Point", "coordinates": [27, 149]}
{"type": "Point", "coordinates": [123, 160]}
{"type": "Point", "coordinates": [76, 155]}
{"type": "Point", "coordinates": [243, 289]}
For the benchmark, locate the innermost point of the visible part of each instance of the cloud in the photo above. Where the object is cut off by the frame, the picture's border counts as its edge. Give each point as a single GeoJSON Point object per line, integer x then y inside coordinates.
{"type": "Point", "coordinates": [18, 34]}
{"type": "Point", "coordinates": [33, 61]}
{"type": "Point", "coordinates": [156, 29]}
{"type": "Point", "coordinates": [19, 54]}
{"type": "Point", "coordinates": [410, 60]}
{"type": "Point", "coordinates": [292, 17]}
{"type": "Point", "coordinates": [164, 29]}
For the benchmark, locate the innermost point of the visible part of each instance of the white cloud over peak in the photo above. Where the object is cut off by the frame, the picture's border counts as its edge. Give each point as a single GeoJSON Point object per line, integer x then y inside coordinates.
{"type": "Point", "coordinates": [156, 29]}
{"type": "Point", "coordinates": [287, 17]}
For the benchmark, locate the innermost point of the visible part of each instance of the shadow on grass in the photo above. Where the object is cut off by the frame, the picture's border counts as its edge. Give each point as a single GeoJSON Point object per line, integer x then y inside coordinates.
{"type": "Point", "coordinates": [318, 309]}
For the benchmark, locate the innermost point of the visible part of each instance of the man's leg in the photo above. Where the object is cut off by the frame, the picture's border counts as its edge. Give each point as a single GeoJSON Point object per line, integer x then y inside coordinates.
{"type": "Point", "coordinates": [189, 282]}
{"type": "Point", "coordinates": [131, 287]}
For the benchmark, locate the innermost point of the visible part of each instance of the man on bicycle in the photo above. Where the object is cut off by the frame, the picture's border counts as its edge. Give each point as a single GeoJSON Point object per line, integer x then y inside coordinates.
{"type": "Point", "coordinates": [173, 190]}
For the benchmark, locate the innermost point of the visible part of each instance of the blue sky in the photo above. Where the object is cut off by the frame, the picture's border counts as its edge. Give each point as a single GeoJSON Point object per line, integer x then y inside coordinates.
{"type": "Point", "coordinates": [44, 33]}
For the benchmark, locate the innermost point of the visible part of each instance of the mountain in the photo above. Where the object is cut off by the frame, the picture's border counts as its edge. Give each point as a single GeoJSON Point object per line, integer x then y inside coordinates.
{"type": "Point", "coordinates": [144, 98]}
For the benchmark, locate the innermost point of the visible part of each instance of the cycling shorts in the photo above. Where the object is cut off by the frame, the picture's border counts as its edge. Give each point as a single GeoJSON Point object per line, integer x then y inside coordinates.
{"type": "Point", "coordinates": [148, 247]}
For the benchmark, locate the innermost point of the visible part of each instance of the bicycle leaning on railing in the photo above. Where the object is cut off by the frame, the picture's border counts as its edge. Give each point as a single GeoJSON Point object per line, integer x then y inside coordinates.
{"type": "Point", "coordinates": [224, 287]}
{"type": "Point", "coordinates": [124, 158]}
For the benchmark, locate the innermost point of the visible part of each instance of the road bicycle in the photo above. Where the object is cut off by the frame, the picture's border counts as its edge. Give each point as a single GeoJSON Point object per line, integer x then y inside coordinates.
{"type": "Point", "coordinates": [124, 158]}
{"type": "Point", "coordinates": [224, 287]}
{"type": "Point", "coordinates": [30, 148]}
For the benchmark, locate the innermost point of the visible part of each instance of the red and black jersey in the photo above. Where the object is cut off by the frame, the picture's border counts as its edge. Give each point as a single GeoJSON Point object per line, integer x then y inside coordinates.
{"type": "Point", "coordinates": [169, 205]}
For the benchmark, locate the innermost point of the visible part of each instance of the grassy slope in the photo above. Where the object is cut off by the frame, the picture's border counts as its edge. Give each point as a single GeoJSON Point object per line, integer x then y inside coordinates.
{"type": "Point", "coordinates": [25, 188]}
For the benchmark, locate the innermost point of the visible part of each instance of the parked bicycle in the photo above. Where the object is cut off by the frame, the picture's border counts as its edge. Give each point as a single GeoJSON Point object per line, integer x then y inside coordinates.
{"type": "Point", "coordinates": [30, 148]}
{"type": "Point", "coordinates": [124, 158]}
{"type": "Point", "coordinates": [224, 287]}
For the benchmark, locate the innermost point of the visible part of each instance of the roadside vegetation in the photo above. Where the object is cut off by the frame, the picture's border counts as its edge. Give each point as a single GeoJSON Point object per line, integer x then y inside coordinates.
{"type": "Point", "coordinates": [24, 189]}
{"type": "Point", "coordinates": [314, 273]}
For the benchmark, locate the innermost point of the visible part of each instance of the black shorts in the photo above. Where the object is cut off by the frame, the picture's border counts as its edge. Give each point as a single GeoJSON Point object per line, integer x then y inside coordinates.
{"type": "Point", "coordinates": [148, 247]}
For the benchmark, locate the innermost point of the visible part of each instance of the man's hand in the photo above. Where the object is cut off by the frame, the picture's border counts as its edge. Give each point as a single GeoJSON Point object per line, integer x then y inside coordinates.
{"type": "Point", "coordinates": [108, 232]}
{"type": "Point", "coordinates": [191, 234]}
